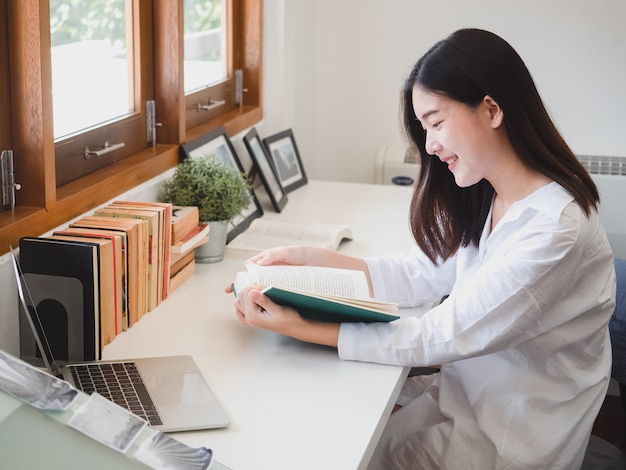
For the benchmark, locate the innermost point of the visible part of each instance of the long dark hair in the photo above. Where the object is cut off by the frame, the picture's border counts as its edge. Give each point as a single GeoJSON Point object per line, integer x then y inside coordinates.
{"type": "Point", "coordinates": [466, 66]}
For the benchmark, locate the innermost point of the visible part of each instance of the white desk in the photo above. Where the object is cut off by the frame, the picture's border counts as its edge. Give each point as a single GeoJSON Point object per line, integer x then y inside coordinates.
{"type": "Point", "coordinates": [293, 405]}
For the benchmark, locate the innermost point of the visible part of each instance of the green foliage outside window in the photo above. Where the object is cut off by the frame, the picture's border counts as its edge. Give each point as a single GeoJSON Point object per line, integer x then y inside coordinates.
{"type": "Point", "coordinates": [202, 15]}
{"type": "Point", "coordinates": [82, 20]}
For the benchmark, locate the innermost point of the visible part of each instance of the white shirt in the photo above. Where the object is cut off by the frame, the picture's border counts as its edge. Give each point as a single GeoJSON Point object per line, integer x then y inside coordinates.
{"type": "Point", "coordinates": [523, 340]}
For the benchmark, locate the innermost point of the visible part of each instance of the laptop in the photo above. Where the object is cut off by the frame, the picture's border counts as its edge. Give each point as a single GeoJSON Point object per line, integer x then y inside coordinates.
{"type": "Point", "coordinates": [169, 392]}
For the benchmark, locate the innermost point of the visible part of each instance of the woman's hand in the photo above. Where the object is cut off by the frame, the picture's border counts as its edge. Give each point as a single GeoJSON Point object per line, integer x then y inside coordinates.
{"type": "Point", "coordinates": [302, 255]}
{"type": "Point", "coordinates": [253, 308]}
{"type": "Point", "coordinates": [299, 255]}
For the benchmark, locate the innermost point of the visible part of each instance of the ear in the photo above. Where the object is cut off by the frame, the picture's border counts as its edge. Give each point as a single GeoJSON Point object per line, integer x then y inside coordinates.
{"type": "Point", "coordinates": [496, 115]}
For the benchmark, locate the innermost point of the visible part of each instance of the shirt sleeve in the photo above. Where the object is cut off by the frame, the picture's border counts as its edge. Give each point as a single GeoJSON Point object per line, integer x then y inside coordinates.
{"type": "Point", "coordinates": [410, 279]}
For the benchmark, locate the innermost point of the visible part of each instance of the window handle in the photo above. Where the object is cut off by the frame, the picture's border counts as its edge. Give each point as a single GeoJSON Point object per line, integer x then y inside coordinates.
{"type": "Point", "coordinates": [151, 123]}
{"type": "Point", "coordinates": [210, 105]}
{"type": "Point", "coordinates": [239, 89]}
{"type": "Point", "coordinates": [103, 151]}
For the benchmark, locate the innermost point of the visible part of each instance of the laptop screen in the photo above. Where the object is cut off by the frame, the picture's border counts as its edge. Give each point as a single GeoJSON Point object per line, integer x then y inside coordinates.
{"type": "Point", "coordinates": [32, 316]}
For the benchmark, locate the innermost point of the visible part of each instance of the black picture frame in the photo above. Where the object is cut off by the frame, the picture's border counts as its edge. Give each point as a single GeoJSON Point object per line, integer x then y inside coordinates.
{"type": "Point", "coordinates": [216, 142]}
{"type": "Point", "coordinates": [265, 169]}
{"type": "Point", "coordinates": [285, 157]}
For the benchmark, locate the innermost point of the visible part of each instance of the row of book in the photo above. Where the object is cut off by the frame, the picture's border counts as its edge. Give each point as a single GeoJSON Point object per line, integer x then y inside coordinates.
{"type": "Point", "coordinates": [108, 269]}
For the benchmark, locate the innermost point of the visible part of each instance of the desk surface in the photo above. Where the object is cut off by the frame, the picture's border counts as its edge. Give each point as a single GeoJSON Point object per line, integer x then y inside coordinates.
{"type": "Point", "coordinates": [292, 404]}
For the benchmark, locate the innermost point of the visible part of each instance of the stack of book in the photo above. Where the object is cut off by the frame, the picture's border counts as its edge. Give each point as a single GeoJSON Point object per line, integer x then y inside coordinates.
{"type": "Point", "coordinates": [187, 234]}
{"type": "Point", "coordinates": [110, 269]}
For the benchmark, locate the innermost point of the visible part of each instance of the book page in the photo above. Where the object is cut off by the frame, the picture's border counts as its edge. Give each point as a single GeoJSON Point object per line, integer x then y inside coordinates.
{"type": "Point", "coordinates": [328, 281]}
{"type": "Point", "coordinates": [266, 233]}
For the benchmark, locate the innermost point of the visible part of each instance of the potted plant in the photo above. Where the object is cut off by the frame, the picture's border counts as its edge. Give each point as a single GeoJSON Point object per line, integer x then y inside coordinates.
{"type": "Point", "coordinates": [219, 191]}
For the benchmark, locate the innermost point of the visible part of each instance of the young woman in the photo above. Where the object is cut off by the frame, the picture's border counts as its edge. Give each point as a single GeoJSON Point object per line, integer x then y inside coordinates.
{"type": "Point", "coordinates": [505, 221]}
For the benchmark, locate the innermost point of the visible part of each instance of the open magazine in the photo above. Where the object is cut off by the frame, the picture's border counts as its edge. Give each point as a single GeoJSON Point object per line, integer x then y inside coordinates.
{"type": "Point", "coordinates": [267, 233]}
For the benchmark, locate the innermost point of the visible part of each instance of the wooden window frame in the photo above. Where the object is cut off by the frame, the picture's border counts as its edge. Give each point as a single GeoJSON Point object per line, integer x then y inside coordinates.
{"type": "Point", "coordinates": [5, 97]}
{"type": "Point", "coordinates": [41, 205]}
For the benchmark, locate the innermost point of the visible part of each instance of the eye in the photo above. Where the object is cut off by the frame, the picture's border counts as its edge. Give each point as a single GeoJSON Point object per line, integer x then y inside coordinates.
{"type": "Point", "coordinates": [436, 125]}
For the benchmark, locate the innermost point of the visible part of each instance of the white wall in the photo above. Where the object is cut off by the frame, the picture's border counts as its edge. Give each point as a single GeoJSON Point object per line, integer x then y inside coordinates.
{"type": "Point", "coordinates": [334, 69]}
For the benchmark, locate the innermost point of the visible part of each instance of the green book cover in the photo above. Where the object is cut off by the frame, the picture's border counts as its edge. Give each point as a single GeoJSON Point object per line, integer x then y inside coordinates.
{"type": "Point", "coordinates": [322, 309]}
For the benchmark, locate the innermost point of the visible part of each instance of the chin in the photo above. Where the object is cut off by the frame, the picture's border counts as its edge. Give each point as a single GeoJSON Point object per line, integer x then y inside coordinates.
{"type": "Point", "coordinates": [461, 182]}
{"type": "Point", "coordinates": [464, 182]}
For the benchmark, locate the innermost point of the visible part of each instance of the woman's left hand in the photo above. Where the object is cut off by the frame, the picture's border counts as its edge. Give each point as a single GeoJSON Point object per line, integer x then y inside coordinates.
{"type": "Point", "coordinates": [255, 309]}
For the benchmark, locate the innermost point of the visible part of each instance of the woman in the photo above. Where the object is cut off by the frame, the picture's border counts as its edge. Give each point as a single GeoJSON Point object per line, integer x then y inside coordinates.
{"type": "Point", "coordinates": [505, 221]}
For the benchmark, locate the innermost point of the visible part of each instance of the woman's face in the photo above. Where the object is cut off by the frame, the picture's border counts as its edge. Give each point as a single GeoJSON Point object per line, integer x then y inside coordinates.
{"type": "Point", "coordinates": [460, 136]}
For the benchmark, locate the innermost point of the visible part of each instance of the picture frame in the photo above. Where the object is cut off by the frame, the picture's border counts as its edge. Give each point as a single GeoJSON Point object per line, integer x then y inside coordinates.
{"type": "Point", "coordinates": [285, 157]}
{"type": "Point", "coordinates": [216, 142]}
{"type": "Point", "coordinates": [265, 169]}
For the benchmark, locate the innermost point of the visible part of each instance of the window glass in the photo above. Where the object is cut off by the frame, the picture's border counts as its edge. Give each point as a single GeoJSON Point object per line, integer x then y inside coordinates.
{"type": "Point", "coordinates": [205, 43]}
{"type": "Point", "coordinates": [92, 63]}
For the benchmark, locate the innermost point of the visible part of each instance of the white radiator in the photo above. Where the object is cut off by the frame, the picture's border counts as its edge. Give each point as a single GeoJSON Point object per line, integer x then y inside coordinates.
{"type": "Point", "coordinates": [609, 173]}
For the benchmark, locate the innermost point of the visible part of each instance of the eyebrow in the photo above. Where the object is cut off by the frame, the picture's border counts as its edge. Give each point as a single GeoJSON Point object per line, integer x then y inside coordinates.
{"type": "Point", "coordinates": [428, 113]}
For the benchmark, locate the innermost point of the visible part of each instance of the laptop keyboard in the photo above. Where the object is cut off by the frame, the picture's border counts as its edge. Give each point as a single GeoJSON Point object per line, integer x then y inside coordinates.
{"type": "Point", "coordinates": [120, 383]}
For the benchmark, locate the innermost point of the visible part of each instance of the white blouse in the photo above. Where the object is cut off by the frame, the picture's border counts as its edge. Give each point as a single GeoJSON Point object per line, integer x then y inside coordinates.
{"type": "Point", "coordinates": [522, 339]}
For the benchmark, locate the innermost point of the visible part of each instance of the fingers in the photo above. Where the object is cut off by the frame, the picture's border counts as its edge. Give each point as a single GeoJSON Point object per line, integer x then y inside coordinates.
{"type": "Point", "coordinates": [271, 256]}
{"type": "Point", "coordinates": [246, 307]}
{"type": "Point", "coordinates": [297, 255]}
{"type": "Point", "coordinates": [261, 300]}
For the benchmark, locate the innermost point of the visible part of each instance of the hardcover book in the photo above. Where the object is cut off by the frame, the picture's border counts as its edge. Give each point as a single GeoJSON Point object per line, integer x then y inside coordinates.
{"type": "Point", "coordinates": [323, 294]}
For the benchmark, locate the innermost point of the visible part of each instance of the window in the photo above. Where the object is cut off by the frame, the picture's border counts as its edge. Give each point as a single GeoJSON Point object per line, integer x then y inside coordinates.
{"type": "Point", "coordinates": [208, 72]}
{"type": "Point", "coordinates": [49, 197]}
{"type": "Point", "coordinates": [101, 81]}
{"type": "Point", "coordinates": [205, 43]}
{"type": "Point", "coordinates": [92, 63]}
{"type": "Point", "coordinates": [233, 25]}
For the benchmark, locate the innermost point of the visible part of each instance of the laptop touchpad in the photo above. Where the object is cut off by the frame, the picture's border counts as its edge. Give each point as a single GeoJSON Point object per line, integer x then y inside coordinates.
{"type": "Point", "coordinates": [187, 388]}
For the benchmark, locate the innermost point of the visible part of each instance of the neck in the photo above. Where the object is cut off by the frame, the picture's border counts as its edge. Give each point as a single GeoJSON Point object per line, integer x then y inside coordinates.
{"type": "Point", "coordinates": [514, 182]}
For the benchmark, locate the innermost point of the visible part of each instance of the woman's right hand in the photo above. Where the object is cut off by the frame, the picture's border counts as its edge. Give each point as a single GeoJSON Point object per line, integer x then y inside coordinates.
{"type": "Point", "coordinates": [299, 255]}
{"type": "Point", "coordinates": [311, 256]}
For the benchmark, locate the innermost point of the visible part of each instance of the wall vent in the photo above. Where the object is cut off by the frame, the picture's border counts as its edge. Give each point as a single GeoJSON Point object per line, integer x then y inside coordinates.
{"type": "Point", "coordinates": [598, 165]}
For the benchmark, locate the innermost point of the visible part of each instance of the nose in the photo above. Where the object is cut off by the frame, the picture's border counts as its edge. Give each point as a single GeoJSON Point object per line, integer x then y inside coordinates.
{"type": "Point", "coordinates": [431, 144]}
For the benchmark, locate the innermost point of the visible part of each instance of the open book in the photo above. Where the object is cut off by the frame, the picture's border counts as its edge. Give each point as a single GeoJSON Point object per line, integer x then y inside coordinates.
{"type": "Point", "coordinates": [266, 233]}
{"type": "Point", "coordinates": [324, 294]}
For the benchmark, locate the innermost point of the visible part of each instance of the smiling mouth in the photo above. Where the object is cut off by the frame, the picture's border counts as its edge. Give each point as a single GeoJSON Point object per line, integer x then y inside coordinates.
{"type": "Point", "coordinates": [450, 161]}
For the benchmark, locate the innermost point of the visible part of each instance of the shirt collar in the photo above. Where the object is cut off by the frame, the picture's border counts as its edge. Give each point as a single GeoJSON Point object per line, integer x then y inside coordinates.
{"type": "Point", "coordinates": [550, 199]}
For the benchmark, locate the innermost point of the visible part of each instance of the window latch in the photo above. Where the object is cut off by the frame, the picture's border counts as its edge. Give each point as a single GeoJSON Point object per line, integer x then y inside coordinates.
{"type": "Point", "coordinates": [151, 123]}
{"type": "Point", "coordinates": [107, 148]}
{"type": "Point", "coordinates": [210, 105]}
{"type": "Point", "coordinates": [239, 89]}
{"type": "Point", "coordinates": [9, 186]}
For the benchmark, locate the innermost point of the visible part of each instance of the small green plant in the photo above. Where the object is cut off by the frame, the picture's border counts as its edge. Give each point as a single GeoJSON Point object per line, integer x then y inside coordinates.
{"type": "Point", "coordinates": [219, 191]}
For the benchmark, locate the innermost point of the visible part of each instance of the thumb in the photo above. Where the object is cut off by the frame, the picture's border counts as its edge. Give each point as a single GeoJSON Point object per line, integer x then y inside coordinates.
{"type": "Point", "coordinates": [261, 299]}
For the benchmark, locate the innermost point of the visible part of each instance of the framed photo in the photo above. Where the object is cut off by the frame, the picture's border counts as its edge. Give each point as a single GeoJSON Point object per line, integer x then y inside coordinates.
{"type": "Point", "coordinates": [275, 191]}
{"type": "Point", "coordinates": [217, 143]}
{"type": "Point", "coordinates": [286, 160]}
